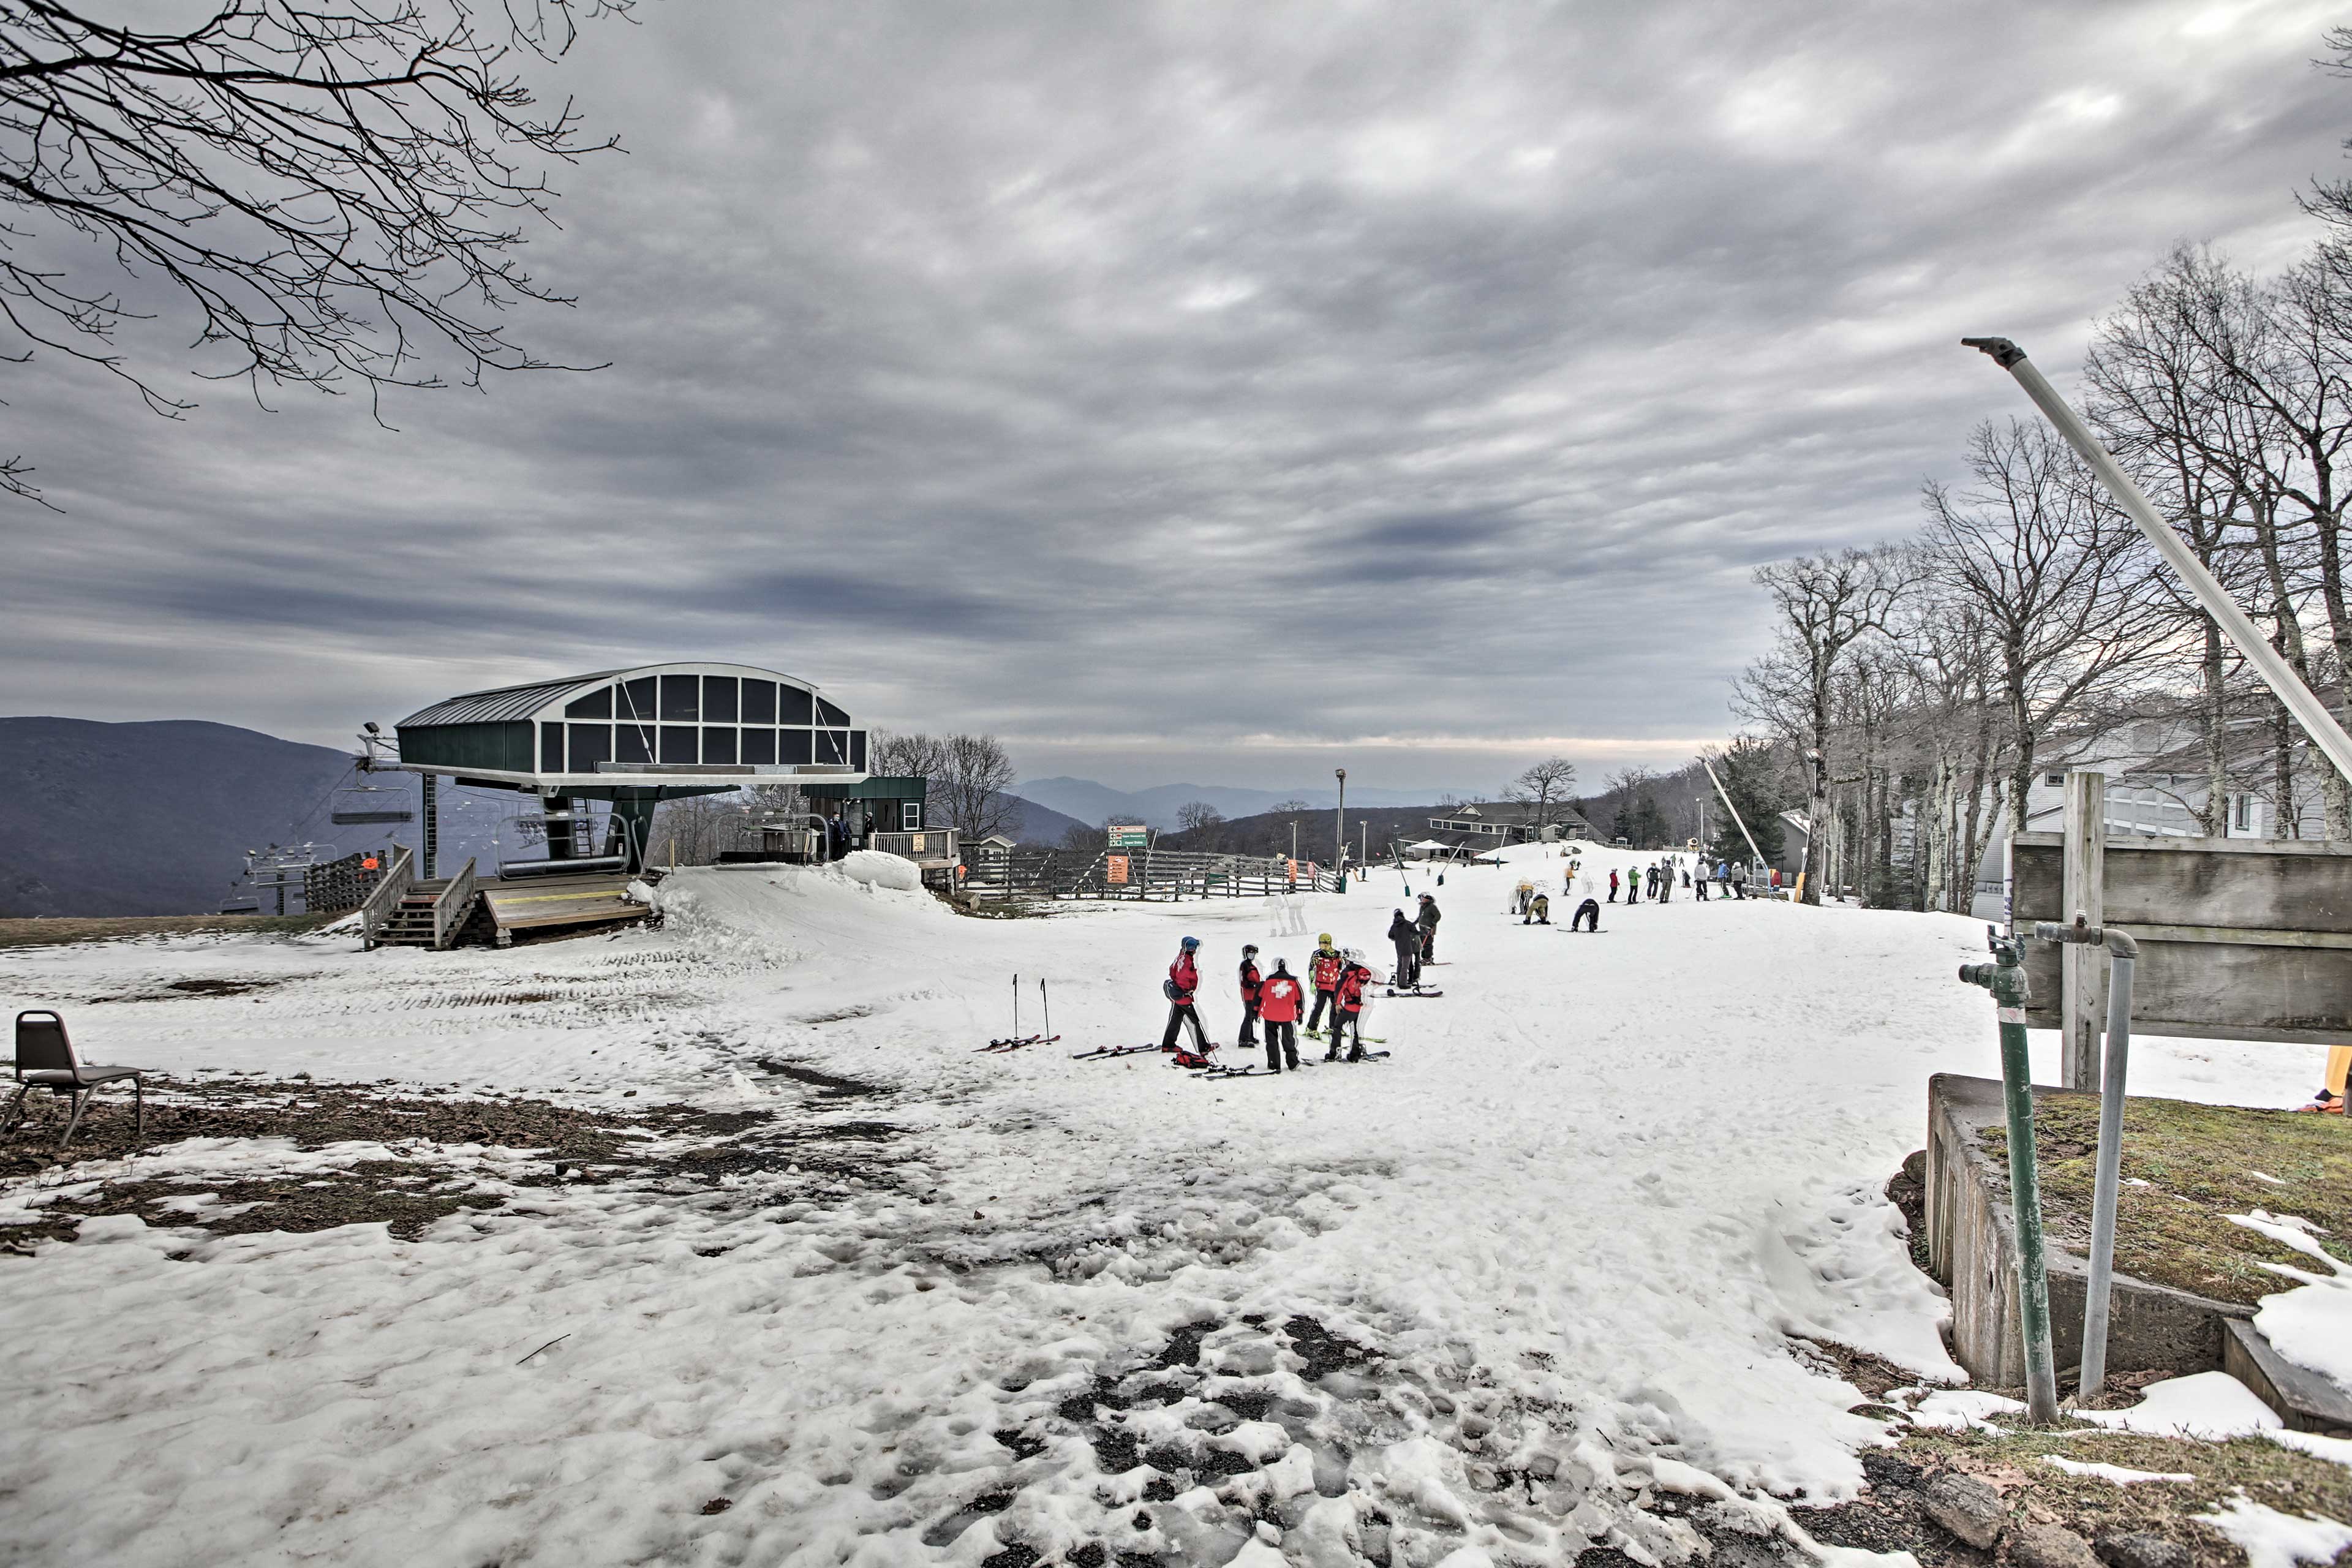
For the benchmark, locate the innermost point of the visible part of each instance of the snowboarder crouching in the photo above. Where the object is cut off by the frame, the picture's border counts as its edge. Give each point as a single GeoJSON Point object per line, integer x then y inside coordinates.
{"type": "Point", "coordinates": [1183, 979]}
{"type": "Point", "coordinates": [1278, 1004]}
{"type": "Point", "coordinates": [1587, 916]}
{"type": "Point", "coordinates": [1539, 911]}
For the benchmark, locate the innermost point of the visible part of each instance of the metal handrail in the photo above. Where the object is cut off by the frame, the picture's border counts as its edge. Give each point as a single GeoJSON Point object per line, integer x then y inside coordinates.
{"type": "Point", "coordinates": [449, 908]}
{"type": "Point", "coordinates": [398, 878]}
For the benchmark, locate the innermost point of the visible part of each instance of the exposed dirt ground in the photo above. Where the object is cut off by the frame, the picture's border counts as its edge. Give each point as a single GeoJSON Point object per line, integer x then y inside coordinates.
{"type": "Point", "coordinates": [419, 1183]}
{"type": "Point", "coordinates": [48, 930]}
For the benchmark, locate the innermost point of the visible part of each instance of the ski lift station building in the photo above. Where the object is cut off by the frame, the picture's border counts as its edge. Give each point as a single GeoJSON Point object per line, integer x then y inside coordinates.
{"type": "Point", "coordinates": [632, 738]}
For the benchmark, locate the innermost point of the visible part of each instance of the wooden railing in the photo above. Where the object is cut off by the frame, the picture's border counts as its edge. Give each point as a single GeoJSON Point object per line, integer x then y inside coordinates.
{"type": "Point", "coordinates": [398, 878]}
{"type": "Point", "coordinates": [1145, 874]}
{"type": "Point", "coordinates": [449, 910]}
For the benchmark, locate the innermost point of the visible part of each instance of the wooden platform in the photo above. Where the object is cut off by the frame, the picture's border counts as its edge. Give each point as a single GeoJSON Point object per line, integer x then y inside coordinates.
{"type": "Point", "coordinates": [544, 906]}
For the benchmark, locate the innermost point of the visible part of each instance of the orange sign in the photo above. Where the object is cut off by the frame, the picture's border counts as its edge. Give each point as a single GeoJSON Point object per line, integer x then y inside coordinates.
{"type": "Point", "coordinates": [1115, 868]}
{"type": "Point", "coordinates": [369, 864]}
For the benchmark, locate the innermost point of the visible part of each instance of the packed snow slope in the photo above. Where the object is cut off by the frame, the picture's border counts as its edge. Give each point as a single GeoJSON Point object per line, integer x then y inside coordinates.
{"type": "Point", "coordinates": [1481, 1296]}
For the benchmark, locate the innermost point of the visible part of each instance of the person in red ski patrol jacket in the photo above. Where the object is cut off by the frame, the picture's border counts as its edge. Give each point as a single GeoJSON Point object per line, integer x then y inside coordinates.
{"type": "Point", "coordinates": [1323, 973]}
{"type": "Point", "coordinates": [1349, 1009]}
{"type": "Point", "coordinates": [1278, 1004]}
{"type": "Point", "coordinates": [1183, 979]}
{"type": "Point", "coordinates": [1252, 986]}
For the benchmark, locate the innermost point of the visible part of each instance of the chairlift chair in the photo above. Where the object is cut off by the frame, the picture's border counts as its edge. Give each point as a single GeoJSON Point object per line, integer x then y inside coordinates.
{"type": "Point", "coordinates": [371, 804]}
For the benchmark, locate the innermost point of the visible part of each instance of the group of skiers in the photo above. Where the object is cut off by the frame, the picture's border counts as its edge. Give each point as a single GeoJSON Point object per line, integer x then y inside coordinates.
{"type": "Point", "coordinates": [1275, 998]}
{"type": "Point", "coordinates": [1657, 880]}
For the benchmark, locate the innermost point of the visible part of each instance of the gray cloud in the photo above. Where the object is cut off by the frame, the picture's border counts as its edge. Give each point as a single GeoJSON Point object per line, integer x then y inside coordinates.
{"type": "Point", "coordinates": [1201, 390]}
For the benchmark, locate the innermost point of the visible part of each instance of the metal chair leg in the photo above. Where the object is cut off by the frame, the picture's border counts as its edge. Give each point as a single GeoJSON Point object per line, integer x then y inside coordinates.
{"type": "Point", "coordinates": [81, 1097]}
{"type": "Point", "coordinates": [15, 1111]}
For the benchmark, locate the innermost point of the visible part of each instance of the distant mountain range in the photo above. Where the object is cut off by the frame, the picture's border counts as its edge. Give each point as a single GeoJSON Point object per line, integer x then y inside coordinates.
{"type": "Point", "coordinates": [1094, 803]}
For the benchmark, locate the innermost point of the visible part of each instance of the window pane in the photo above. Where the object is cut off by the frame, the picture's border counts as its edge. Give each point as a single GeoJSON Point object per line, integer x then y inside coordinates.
{"type": "Point", "coordinates": [758, 745]}
{"type": "Point", "coordinates": [717, 744]}
{"type": "Point", "coordinates": [828, 714]}
{"type": "Point", "coordinates": [681, 697]}
{"type": "Point", "coordinates": [759, 702]}
{"type": "Point", "coordinates": [551, 748]}
{"type": "Point", "coordinates": [590, 744]}
{"type": "Point", "coordinates": [718, 698]}
{"type": "Point", "coordinates": [597, 704]}
{"type": "Point", "coordinates": [858, 750]}
{"type": "Point", "coordinates": [910, 816]}
{"type": "Point", "coordinates": [637, 699]}
{"type": "Point", "coordinates": [793, 746]}
{"type": "Point", "coordinates": [792, 706]}
{"type": "Point", "coordinates": [832, 748]}
{"type": "Point", "coordinates": [633, 740]}
{"type": "Point", "coordinates": [677, 742]}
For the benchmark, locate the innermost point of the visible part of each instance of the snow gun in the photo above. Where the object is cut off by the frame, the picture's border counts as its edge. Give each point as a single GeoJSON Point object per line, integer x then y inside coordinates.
{"type": "Point", "coordinates": [2005, 978]}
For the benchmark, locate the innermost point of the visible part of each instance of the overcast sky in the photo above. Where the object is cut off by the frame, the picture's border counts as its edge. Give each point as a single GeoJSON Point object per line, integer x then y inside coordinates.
{"type": "Point", "coordinates": [1220, 393]}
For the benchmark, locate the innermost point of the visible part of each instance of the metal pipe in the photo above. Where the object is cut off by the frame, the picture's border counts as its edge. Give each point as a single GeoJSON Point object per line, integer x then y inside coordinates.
{"type": "Point", "coordinates": [2122, 959]}
{"type": "Point", "coordinates": [2005, 978]}
{"type": "Point", "coordinates": [1340, 830]}
{"type": "Point", "coordinates": [1733, 809]}
{"type": "Point", "coordinates": [2309, 711]}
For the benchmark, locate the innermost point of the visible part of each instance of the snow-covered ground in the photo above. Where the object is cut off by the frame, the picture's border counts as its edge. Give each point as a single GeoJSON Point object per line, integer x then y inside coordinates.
{"type": "Point", "coordinates": [1572, 1224]}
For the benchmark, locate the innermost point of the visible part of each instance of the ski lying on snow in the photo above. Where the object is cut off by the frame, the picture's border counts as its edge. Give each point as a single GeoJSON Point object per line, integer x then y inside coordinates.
{"type": "Point", "coordinates": [1101, 1051]}
{"type": "Point", "coordinates": [1016, 1045]}
{"type": "Point", "coordinates": [1417, 993]}
{"type": "Point", "coordinates": [1367, 1056]}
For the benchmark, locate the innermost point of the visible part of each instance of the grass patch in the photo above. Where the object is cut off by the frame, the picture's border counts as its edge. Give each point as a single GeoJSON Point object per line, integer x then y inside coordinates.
{"type": "Point", "coordinates": [2198, 1162]}
{"type": "Point", "coordinates": [2294, 1483]}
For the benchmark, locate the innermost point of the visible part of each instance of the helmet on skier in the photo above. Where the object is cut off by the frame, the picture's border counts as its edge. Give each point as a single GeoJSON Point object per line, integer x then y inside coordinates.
{"type": "Point", "coordinates": [1248, 948]}
{"type": "Point", "coordinates": [1429, 897]}
{"type": "Point", "coordinates": [1282, 966]}
{"type": "Point", "coordinates": [1324, 937]}
{"type": "Point", "coordinates": [1190, 943]}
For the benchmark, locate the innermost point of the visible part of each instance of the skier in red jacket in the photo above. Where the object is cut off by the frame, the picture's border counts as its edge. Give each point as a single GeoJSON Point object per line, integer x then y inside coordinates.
{"type": "Point", "coordinates": [1183, 979]}
{"type": "Point", "coordinates": [1279, 1004]}
{"type": "Point", "coordinates": [1252, 986]}
{"type": "Point", "coordinates": [1350, 1010]}
{"type": "Point", "coordinates": [1323, 973]}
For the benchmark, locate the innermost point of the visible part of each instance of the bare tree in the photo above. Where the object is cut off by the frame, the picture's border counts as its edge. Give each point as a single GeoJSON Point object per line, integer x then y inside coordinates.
{"type": "Point", "coordinates": [915, 756]}
{"type": "Point", "coordinates": [692, 831]}
{"type": "Point", "coordinates": [2057, 575]}
{"type": "Point", "coordinates": [324, 184]}
{"type": "Point", "coordinates": [1544, 788]}
{"type": "Point", "coordinates": [1197, 814]}
{"type": "Point", "coordinates": [1826, 605]}
{"type": "Point", "coordinates": [974, 787]}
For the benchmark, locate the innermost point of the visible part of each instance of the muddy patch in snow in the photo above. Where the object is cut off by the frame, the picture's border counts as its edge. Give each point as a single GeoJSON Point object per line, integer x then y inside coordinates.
{"type": "Point", "coordinates": [403, 1160]}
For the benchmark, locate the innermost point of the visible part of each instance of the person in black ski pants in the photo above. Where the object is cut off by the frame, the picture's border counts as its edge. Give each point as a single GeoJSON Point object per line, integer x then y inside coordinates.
{"type": "Point", "coordinates": [1253, 986]}
{"type": "Point", "coordinates": [1279, 1002]}
{"type": "Point", "coordinates": [1587, 916]}
{"type": "Point", "coordinates": [1183, 979]}
{"type": "Point", "coordinates": [1428, 924]}
{"type": "Point", "coordinates": [1405, 937]}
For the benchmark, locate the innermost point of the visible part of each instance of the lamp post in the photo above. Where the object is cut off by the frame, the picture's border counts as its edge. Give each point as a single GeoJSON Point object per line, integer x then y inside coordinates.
{"type": "Point", "coordinates": [1339, 829]}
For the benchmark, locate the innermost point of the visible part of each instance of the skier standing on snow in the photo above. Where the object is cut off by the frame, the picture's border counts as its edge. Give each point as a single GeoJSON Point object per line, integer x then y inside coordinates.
{"type": "Point", "coordinates": [1252, 987]}
{"type": "Point", "coordinates": [1323, 973]}
{"type": "Point", "coordinates": [1539, 911]}
{"type": "Point", "coordinates": [1613, 886]}
{"type": "Point", "coordinates": [1348, 1012]}
{"type": "Point", "coordinates": [1183, 979]}
{"type": "Point", "coordinates": [1405, 937]}
{"type": "Point", "coordinates": [1739, 880]}
{"type": "Point", "coordinates": [1278, 1004]}
{"type": "Point", "coordinates": [1428, 923]}
{"type": "Point", "coordinates": [1587, 916]}
{"type": "Point", "coordinates": [1698, 882]}
{"type": "Point", "coordinates": [1666, 880]}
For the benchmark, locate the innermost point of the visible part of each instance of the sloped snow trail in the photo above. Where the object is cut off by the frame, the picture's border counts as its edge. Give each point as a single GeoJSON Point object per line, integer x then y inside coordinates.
{"type": "Point", "coordinates": [1463, 1297]}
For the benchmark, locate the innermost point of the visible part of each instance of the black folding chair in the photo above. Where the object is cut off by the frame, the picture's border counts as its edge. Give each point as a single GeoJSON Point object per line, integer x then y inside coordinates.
{"type": "Point", "coordinates": [45, 1060]}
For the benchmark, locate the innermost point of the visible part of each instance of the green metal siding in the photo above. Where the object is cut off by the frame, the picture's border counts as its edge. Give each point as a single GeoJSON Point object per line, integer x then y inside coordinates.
{"type": "Point", "coordinates": [877, 788]}
{"type": "Point", "coordinates": [500, 748]}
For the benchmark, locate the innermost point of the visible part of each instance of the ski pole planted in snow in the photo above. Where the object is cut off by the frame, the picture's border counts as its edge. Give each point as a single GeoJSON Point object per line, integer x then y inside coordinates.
{"type": "Point", "coordinates": [2005, 978]}
{"type": "Point", "coordinates": [1048, 1007]}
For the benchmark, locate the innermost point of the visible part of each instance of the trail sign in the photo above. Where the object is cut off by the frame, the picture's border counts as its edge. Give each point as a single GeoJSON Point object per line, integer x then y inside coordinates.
{"type": "Point", "coordinates": [1114, 869]}
{"type": "Point", "coordinates": [1129, 836]}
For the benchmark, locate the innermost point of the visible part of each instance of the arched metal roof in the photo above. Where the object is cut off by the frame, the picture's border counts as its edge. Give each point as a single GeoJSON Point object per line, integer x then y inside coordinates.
{"type": "Point", "coordinates": [504, 702]}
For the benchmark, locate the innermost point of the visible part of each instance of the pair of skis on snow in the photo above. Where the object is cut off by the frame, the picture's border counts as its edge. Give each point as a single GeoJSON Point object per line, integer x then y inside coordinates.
{"type": "Point", "coordinates": [1253, 1070]}
{"type": "Point", "coordinates": [1016, 1039]}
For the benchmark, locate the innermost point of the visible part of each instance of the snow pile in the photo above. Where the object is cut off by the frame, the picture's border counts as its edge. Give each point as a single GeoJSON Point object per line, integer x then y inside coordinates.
{"type": "Point", "coordinates": [2275, 1539]}
{"type": "Point", "coordinates": [2312, 1325]}
{"type": "Point", "coordinates": [2211, 1404]}
{"type": "Point", "coordinates": [874, 869]}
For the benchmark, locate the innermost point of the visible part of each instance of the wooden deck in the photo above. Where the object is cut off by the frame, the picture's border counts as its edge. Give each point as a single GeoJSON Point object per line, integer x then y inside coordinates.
{"type": "Point", "coordinates": [542, 905]}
